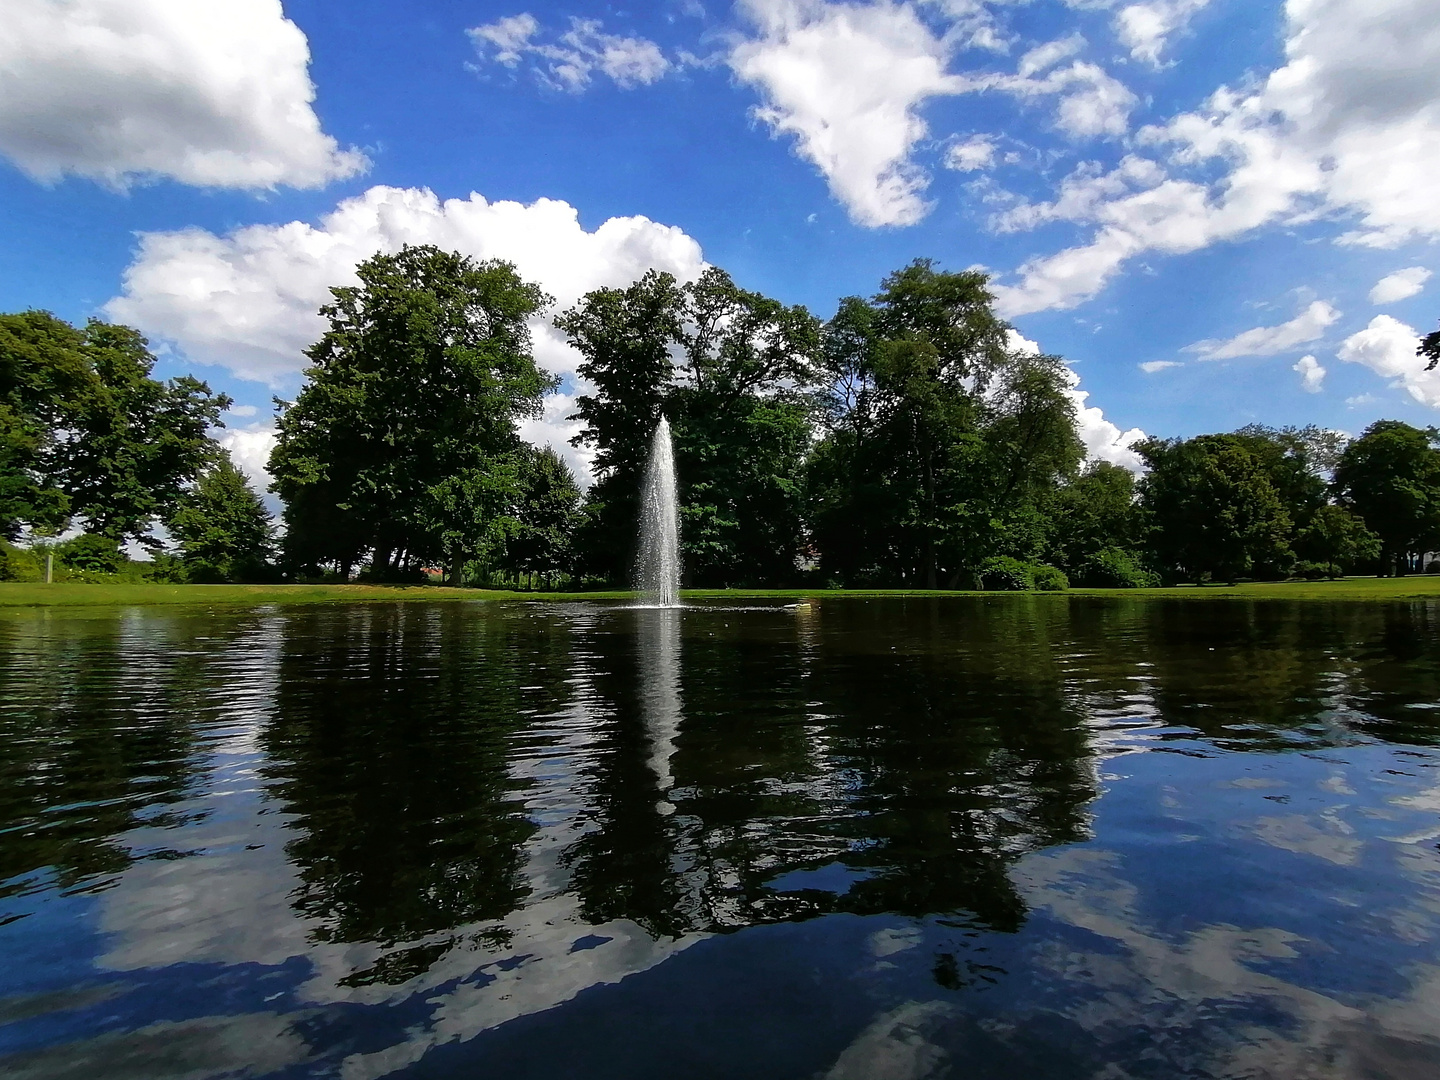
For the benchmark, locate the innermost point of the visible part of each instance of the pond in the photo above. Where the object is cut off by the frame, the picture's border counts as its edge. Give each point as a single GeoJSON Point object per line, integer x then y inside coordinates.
{"type": "Point", "coordinates": [1012, 836]}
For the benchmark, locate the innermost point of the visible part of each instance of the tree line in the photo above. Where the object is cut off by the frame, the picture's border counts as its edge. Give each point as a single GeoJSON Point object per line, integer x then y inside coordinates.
{"type": "Point", "coordinates": [905, 442]}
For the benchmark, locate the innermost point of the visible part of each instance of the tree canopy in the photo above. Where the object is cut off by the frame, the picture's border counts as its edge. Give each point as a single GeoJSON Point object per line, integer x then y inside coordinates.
{"type": "Point", "coordinates": [402, 446]}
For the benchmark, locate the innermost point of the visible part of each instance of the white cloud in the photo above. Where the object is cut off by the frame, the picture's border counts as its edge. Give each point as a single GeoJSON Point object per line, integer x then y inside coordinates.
{"type": "Point", "coordinates": [242, 410]}
{"type": "Point", "coordinates": [1388, 347]}
{"type": "Point", "coordinates": [210, 94]}
{"type": "Point", "coordinates": [1044, 57]}
{"type": "Point", "coordinates": [248, 301]}
{"type": "Point", "coordinates": [845, 80]}
{"type": "Point", "coordinates": [509, 36]}
{"type": "Point", "coordinates": [1309, 325]}
{"type": "Point", "coordinates": [1400, 285]}
{"type": "Point", "coordinates": [1146, 28]}
{"type": "Point", "coordinates": [1312, 375]}
{"type": "Point", "coordinates": [250, 450]}
{"type": "Point", "coordinates": [972, 155]}
{"type": "Point", "coordinates": [1091, 101]}
{"type": "Point", "coordinates": [555, 429]}
{"type": "Point", "coordinates": [1349, 126]}
{"type": "Point", "coordinates": [570, 62]}
{"type": "Point", "coordinates": [1150, 367]}
{"type": "Point", "coordinates": [1103, 440]}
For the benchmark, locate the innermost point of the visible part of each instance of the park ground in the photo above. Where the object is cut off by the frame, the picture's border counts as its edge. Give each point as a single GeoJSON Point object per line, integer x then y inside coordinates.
{"type": "Point", "coordinates": [25, 594]}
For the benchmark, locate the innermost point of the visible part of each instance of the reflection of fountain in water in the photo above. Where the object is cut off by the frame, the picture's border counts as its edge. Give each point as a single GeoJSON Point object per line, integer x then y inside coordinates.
{"type": "Point", "coordinates": [657, 565]}
{"type": "Point", "coordinates": [658, 634]}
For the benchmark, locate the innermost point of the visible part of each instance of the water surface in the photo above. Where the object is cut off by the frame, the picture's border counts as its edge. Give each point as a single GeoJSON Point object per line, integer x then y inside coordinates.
{"type": "Point", "coordinates": [1007, 837]}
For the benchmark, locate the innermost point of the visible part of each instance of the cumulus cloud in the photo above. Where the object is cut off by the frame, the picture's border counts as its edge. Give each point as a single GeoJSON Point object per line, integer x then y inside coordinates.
{"type": "Point", "coordinates": [1104, 441]}
{"type": "Point", "coordinates": [972, 155]}
{"type": "Point", "coordinates": [1091, 101]}
{"type": "Point", "coordinates": [1309, 325]}
{"type": "Point", "coordinates": [215, 95]}
{"type": "Point", "coordinates": [1388, 347]}
{"type": "Point", "coordinates": [250, 450]}
{"type": "Point", "coordinates": [248, 301]}
{"type": "Point", "coordinates": [1146, 28]}
{"type": "Point", "coordinates": [1400, 285]}
{"type": "Point", "coordinates": [1349, 126]}
{"type": "Point", "coordinates": [1150, 367]}
{"type": "Point", "coordinates": [845, 80]}
{"type": "Point", "coordinates": [1312, 375]}
{"type": "Point", "coordinates": [569, 62]}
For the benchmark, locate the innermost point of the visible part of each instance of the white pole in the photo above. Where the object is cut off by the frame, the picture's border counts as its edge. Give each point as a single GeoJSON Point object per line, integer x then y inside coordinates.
{"type": "Point", "coordinates": [49, 566]}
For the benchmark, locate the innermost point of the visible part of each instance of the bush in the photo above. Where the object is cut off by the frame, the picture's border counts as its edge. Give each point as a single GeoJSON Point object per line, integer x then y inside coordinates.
{"type": "Point", "coordinates": [1434, 567]}
{"type": "Point", "coordinates": [1116, 568]}
{"type": "Point", "coordinates": [20, 564]}
{"type": "Point", "coordinates": [1314, 571]}
{"type": "Point", "coordinates": [95, 554]}
{"type": "Point", "coordinates": [1049, 578]}
{"type": "Point", "coordinates": [1005, 574]}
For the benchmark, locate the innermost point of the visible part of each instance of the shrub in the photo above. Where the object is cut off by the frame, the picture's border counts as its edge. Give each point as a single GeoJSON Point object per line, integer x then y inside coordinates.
{"type": "Point", "coordinates": [1006, 574]}
{"type": "Point", "coordinates": [1314, 571]}
{"type": "Point", "coordinates": [1049, 578]}
{"type": "Point", "coordinates": [1116, 568]}
{"type": "Point", "coordinates": [95, 554]}
{"type": "Point", "coordinates": [20, 564]}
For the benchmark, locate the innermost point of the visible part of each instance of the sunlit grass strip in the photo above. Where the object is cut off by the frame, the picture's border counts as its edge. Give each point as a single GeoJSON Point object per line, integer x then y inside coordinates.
{"type": "Point", "coordinates": [25, 594]}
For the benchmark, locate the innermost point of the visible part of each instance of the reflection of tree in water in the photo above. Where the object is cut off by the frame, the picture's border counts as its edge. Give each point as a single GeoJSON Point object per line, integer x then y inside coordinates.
{"type": "Point", "coordinates": [390, 745]}
{"type": "Point", "coordinates": [99, 732]}
{"type": "Point", "coordinates": [1276, 675]}
{"type": "Point", "coordinates": [901, 748]}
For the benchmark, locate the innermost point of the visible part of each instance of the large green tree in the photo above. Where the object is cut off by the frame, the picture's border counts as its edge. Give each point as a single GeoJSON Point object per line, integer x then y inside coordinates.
{"type": "Point", "coordinates": [731, 370]}
{"type": "Point", "coordinates": [402, 446]}
{"type": "Point", "coordinates": [222, 527]}
{"type": "Point", "coordinates": [1213, 509]}
{"type": "Point", "coordinates": [943, 442]}
{"type": "Point", "coordinates": [545, 517]}
{"type": "Point", "coordinates": [1390, 476]}
{"type": "Point", "coordinates": [86, 431]}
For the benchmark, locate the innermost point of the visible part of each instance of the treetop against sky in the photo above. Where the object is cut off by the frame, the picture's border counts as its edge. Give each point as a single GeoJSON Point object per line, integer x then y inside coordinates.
{"type": "Point", "coordinates": [1219, 211]}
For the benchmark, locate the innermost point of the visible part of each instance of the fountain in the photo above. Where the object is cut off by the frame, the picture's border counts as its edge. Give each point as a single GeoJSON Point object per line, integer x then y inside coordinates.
{"type": "Point", "coordinates": [657, 565]}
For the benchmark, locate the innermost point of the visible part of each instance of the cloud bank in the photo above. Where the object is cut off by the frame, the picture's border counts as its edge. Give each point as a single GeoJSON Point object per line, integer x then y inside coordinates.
{"type": "Point", "coordinates": [119, 91]}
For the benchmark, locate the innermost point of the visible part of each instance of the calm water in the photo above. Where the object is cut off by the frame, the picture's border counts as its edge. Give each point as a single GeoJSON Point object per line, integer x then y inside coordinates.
{"type": "Point", "coordinates": [1013, 837]}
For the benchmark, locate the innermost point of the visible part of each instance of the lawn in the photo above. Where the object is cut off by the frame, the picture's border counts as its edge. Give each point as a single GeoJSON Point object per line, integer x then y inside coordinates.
{"type": "Point", "coordinates": [18, 594]}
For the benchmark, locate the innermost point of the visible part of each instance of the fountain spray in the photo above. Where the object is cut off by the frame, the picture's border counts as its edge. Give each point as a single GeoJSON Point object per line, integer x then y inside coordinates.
{"type": "Point", "coordinates": [657, 566]}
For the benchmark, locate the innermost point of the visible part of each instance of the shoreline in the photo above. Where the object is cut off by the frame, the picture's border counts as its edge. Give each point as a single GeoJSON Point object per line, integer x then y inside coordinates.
{"type": "Point", "coordinates": [68, 594]}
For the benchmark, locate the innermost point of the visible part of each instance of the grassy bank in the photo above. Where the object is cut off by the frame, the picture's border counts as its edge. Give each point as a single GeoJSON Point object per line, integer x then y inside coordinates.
{"type": "Point", "coordinates": [24, 594]}
{"type": "Point", "coordinates": [27, 594]}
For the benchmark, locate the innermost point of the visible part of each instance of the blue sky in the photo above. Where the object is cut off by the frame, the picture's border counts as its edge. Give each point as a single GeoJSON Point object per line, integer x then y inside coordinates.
{"type": "Point", "coordinates": [1185, 198]}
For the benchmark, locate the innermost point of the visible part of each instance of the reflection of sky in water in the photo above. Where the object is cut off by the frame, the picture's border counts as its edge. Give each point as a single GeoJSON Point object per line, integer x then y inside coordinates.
{"type": "Point", "coordinates": [1216, 910]}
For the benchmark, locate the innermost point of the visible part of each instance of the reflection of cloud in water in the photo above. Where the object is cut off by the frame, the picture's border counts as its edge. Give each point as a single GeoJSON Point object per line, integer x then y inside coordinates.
{"type": "Point", "coordinates": [897, 1046]}
{"type": "Point", "coordinates": [234, 905]}
{"type": "Point", "coordinates": [1333, 840]}
{"type": "Point", "coordinates": [1179, 989]}
{"type": "Point", "coordinates": [251, 1044]}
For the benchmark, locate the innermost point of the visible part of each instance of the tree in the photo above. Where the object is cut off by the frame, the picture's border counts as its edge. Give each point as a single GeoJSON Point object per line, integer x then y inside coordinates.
{"type": "Point", "coordinates": [222, 527]}
{"type": "Point", "coordinates": [545, 517]}
{"type": "Point", "coordinates": [1097, 534]}
{"type": "Point", "coordinates": [402, 444]}
{"type": "Point", "coordinates": [86, 431]}
{"type": "Point", "coordinates": [1213, 508]}
{"type": "Point", "coordinates": [625, 338]}
{"type": "Point", "coordinates": [1390, 476]}
{"type": "Point", "coordinates": [730, 369]}
{"type": "Point", "coordinates": [942, 441]}
{"type": "Point", "coordinates": [1337, 540]}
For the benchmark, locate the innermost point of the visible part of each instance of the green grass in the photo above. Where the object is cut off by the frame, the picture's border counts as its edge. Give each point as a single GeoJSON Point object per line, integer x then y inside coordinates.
{"type": "Point", "coordinates": [25, 594]}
